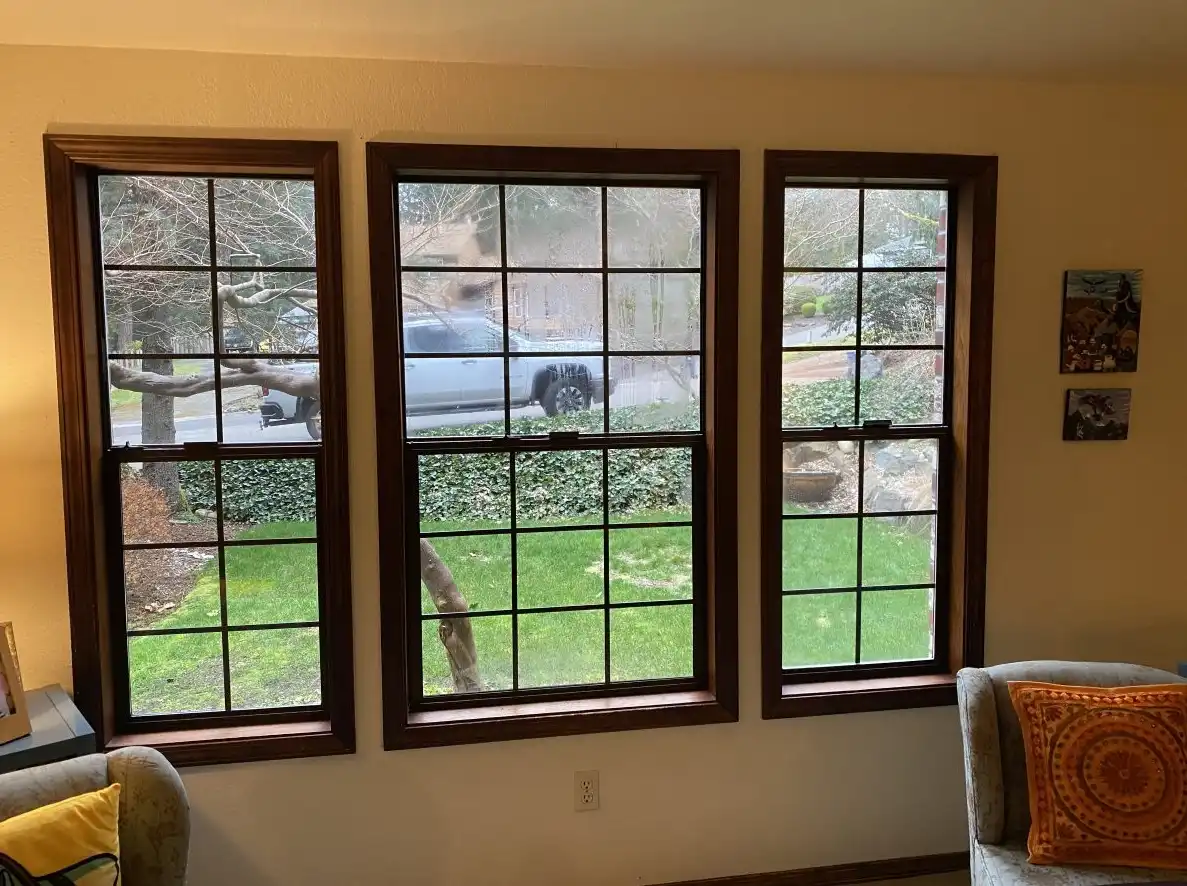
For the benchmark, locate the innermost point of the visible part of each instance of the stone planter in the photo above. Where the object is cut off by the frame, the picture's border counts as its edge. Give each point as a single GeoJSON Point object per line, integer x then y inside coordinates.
{"type": "Point", "coordinates": [809, 486]}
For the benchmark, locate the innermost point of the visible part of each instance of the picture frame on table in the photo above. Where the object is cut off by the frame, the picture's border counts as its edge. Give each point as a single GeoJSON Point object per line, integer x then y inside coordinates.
{"type": "Point", "coordinates": [14, 712]}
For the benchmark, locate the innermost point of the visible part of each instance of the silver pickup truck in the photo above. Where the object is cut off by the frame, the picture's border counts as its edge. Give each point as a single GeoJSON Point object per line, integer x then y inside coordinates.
{"type": "Point", "coordinates": [469, 378]}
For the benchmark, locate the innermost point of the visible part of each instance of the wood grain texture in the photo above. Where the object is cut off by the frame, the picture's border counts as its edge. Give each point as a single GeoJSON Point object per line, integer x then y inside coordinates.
{"type": "Point", "coordinates": [72, 162]}
{"type": "Point", "coordinates": [718, 171]}
{"type": "Point", "coordinates": [848, 874]}
{"type": "Point", "coordinates": [964, 484]}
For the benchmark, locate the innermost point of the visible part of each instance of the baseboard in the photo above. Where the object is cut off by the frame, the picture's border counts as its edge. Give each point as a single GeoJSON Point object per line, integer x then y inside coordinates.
{"type": "Point", "coordinates": [847, 874]}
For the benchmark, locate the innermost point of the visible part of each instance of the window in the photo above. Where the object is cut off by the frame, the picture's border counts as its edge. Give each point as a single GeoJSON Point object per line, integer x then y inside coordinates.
{"type": "Point", "coordinates": [549, 450]}
{"type": "Point", "coordinates": [198, 302]}
{"type": "Point", "coordinates": [877, 320]}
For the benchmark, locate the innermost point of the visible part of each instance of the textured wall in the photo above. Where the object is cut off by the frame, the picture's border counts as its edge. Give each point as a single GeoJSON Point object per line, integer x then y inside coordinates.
{"type": "Point", "coordinates": [1082, 556]}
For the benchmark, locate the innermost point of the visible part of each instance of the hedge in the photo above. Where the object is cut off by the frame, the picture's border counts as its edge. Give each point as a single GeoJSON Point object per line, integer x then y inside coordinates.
{"type": "Point", "coordinates": [905, 394]}
{"type": "Point", "coordinates": [476, 486]}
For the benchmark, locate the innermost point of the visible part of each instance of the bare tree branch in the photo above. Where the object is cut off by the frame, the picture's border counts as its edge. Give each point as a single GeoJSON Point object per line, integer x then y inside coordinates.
{"type": "Point", "coordinates": [237, 373]}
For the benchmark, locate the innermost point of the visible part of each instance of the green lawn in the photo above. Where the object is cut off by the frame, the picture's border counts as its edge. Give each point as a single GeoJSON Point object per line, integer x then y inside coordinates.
{"type": "Point", "coordinates": [278, 583]}
{"type": "Point", "coordinates": [266, 584]}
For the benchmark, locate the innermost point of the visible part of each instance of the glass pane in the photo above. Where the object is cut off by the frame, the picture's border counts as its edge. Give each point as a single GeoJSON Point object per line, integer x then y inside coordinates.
{"type": "Point", "coordinates": [820, 477]}
{"type": "Point", "coordinates": [465, 491]}
{"type": "Point", "coordinates": [651, 643]}
{"type": "Point", "coordinates": [265, 222]}
{"type": "Point", "coordinates": [819, 629]}
{"type": "Point", "coordinates": [651, 564]}
{"type": "Point", "coordinates": [455, 396]}
{"type": "Point", "coordinates": [175, 674]}
{"type": "Point", "coordinates": [154, 220]}
{"type": "Point", "coordinates": [819, 553]}
{"type": "Point", "coordinates": [453, 312]}
{"type": "Point", "coordinates": [654, 227]}
{"type": "Point", "coordinates": [650, 485]}
{"type": "Point", "coordinates": [905, 387]}
{"type": "Point", "coordinates": [171, 587]}
{"type": "Point", "coordinates": [271, 584]}
{"type": "Point", "coordinates": [158, 312]}
{"type": "Point", "coordinates": [898, 551]}
{"type": "Point", "coordinates": [558, 488]}
{"type": "Point", "coordinates": [264, 498]}
{"type": "Point", "coordinates": [554, 226]}
{"type": "Point", "coordinates": [556, 393]}
{"type": "Point", "coordinates": [655, 394]}
{"type": "Point", "coordinates": [560, 568]}
{"type": "Point", "coordinates": [905, 228]}
{"type": "Point", "coordinates": [449, 224]}
{"type": "Point", "coordinates": [655, 312]}
{"type": "Point", "coordinates": [180, 408]}
{"type": "Point", "coordinates": [902, 308]}
{"type": "Point", "coordinates": [820, 228]}
{"type": "Point", "coordinates": [480, 566]}
{"type": "Point", "coordinates": [897, 625]}
{"type": "Point", "coordinates": [268, 313]}
{"type": "Point", "coordinates": [491, 641]}
{"type": "Point", "coordinates": [562, 648]}
{"type": "Point", "coordinates": [157, 506]}
{"type": "Point", "coordinates": [901, 475]}
{"type": "Point", "coordinates": [283, 405]}
{"type": "Point", "coordinates": [818, 389]}
{"type": "Point", "coordinates": [819, 309]}
{"type": "Point", "coordinates": [555, 312]}
{"type": "Point", "coordinates": [275, 669]}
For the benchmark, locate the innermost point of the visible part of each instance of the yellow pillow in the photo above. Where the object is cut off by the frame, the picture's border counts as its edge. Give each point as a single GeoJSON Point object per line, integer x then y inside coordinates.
{"type": "Point", "coordinates": [1107, 773]}
{"type": "Point", "coordinates": [75, 841]}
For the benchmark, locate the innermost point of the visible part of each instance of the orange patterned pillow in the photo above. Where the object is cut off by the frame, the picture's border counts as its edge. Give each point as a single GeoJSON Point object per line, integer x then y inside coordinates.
{"type": "Point", "coordinates": [1107, 773]}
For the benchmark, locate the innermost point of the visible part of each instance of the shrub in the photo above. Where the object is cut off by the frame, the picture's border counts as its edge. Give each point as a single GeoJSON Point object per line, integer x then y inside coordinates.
{"type": "Point", "coordinates": [475, 487]}
{"type": "Point", "coordinates": [808, 309]}
{"type": "Point", "coordinates": [905, 394]}
{"type": "Point", "coordinates": [824, 305]}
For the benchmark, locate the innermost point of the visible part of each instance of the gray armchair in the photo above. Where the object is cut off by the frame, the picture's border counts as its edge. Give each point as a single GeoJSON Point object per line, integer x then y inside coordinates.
{"type": "Point", "coordinates": [995, 773]}
{"type": "Point", "coordinates": [154, 812]}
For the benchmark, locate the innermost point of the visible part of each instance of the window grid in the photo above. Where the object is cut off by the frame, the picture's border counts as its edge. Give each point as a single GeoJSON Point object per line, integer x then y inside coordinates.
{"type": "Point", "coordinates": [217, 452]}
{"type": "Point", "coordinates": [866, 431]}
{"type": "Point", "coordinates": [603, 439]}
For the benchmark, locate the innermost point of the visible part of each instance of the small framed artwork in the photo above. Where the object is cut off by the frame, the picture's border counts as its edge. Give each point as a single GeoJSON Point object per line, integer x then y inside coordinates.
{"type": "Point", "coordinates": [1102, 313]}
{"type": "Point", "coordinates": [1097, 414]}
{"type": "Point", "coordinates": [14, 715]}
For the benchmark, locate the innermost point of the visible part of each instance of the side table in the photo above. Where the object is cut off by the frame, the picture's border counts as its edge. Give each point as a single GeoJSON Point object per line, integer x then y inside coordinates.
{"type": "Point", "coordinates": [59, 732]}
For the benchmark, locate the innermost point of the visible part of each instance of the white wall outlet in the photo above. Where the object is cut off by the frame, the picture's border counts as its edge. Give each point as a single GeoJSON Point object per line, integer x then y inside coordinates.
{"type": "Point", "coordinates": [587, 795]}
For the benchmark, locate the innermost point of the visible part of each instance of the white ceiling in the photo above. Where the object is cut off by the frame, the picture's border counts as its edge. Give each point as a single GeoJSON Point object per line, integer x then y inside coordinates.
{"type": "Point", "coordinates": [1108, 37]}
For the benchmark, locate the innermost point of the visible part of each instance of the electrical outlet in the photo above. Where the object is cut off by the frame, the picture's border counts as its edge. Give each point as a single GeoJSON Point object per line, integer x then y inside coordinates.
{"type": "Point", "coordinates": [587, 796]}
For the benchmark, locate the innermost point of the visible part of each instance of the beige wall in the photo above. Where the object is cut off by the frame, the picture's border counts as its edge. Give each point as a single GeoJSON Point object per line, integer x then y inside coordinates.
{"type": "Point", "coordinates": [1084, 539]}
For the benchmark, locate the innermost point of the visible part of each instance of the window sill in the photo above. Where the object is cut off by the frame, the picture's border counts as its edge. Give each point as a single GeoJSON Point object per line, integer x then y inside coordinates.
{"type": "Point", "coordinates": [856, 696]}
{"type": "Point", "coordinates": [240, 744]}
{"type": "Point", "coordinates": [423, 729]}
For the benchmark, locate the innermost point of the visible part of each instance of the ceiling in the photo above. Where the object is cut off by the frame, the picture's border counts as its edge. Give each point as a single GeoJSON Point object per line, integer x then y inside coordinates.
{"type": "Point", "coordinates": [1106, 37]}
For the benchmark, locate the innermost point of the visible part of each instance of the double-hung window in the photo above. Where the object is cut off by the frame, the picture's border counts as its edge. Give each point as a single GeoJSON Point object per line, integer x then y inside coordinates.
{"type": "Point", "coordinates": [877, 321]}
{"type": "Point", "coordinates": [198, 307]}
{"type": "Point", "coordinates": [555, 351]}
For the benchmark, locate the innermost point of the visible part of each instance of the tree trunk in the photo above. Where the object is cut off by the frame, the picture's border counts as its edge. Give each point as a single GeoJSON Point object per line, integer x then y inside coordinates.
{"type": "Point", "coordinates": [457, 634]}
{"type": "Point", "coordinates": [156, 411]}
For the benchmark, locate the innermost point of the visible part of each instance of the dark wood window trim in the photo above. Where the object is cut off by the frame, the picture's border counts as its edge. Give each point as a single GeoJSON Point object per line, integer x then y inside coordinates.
{"type": "Point", "coordinates": [72, 164]}
{"type": "Point", "coordinates": [717, 700]}
{"type": "Point", "coordinates": [960, 637]}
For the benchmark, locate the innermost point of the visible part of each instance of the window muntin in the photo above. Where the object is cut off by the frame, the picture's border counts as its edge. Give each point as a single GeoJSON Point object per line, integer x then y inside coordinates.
{"type": "Point", "coordinates": [214, 539]}
{"type": "Point", "coordinates": [569, 572]}
{"type": "Point", "coordinates": [866, 426]}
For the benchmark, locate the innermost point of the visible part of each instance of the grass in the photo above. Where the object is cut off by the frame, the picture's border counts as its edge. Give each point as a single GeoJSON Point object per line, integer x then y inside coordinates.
{"type": "Point", "coordinates": [278, 583]}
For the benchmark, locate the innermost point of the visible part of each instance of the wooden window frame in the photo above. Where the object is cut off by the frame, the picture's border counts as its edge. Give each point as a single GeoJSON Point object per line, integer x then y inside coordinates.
{"type": "Point", "coordinates": [72, 166]}
{"type": "Point", "coordinates": [964, 505]}
{"type": "Point", "coordinates": [716, 701]}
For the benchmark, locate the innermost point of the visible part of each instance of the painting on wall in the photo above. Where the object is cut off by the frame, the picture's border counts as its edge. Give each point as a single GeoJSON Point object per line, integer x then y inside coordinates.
{"type": "Point", "coordinates": [1102, 312]}
{"type": "Point", "coordinates": [1097, 414]}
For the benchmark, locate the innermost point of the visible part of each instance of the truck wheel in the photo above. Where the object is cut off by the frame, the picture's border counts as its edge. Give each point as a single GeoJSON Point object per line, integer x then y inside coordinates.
{"type": "Point", "coordinates": [565, 395]}
{"type": "Point", "coordinates": [313, 420]}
